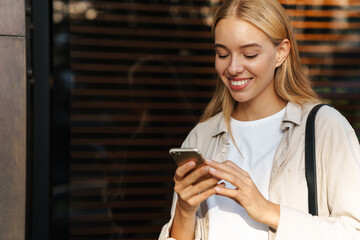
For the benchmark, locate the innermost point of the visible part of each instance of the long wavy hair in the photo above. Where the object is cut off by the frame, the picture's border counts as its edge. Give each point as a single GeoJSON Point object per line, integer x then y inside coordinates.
{"type": "Point", "coordinates": [290, 81]}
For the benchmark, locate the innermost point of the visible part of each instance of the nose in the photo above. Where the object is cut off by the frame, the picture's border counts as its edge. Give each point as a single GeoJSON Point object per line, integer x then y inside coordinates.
{"type": "Point", "coordinates": [236, 66]}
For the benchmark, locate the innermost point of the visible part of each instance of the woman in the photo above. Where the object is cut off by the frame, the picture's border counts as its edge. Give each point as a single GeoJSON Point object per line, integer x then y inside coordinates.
{"type": "Point", "coordinates": [253, 130]}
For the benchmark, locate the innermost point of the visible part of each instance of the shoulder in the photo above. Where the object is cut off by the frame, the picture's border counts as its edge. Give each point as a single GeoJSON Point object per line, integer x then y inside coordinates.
{"type": "Point", "coordinates": [332, 129]}
{"type": "Point", "coordinates": [204, 131]}
{"type": "Point", "coordinates": [328, 119]}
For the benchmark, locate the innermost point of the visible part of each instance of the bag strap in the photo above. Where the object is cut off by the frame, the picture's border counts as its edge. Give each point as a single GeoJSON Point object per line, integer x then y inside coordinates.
{"type": "Point", "coordinates": [310, 160]}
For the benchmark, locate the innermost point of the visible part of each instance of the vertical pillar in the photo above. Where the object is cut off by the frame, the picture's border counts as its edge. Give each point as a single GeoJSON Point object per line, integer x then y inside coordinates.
{"type": "Point", "coordinates": [12, 119]}
{"type": "Point", "coordinates": [39, 221]}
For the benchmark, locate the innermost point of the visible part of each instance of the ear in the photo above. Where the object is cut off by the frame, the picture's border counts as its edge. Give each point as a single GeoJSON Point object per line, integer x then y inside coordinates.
{"type": "Point", "coordinates": [282, 52]}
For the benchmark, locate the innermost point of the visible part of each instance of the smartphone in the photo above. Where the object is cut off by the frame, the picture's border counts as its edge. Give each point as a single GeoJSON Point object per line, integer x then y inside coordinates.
{"type": "Point", "coordinates": [183, 155]}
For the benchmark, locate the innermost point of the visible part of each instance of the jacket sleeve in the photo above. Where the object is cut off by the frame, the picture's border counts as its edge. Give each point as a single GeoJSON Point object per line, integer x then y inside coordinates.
{"type": "Point", "coordinates": [339, 154]}
{"type": "Point", "coordinates": [165, 232]}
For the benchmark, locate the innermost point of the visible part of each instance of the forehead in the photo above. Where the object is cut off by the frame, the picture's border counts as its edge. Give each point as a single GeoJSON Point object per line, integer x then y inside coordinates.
{"type": "Point", "coordinates": [232, 30]}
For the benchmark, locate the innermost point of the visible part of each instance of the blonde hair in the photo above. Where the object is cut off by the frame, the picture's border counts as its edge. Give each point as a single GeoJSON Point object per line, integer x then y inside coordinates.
{"type": "Point", "coordinates": [291, 83]}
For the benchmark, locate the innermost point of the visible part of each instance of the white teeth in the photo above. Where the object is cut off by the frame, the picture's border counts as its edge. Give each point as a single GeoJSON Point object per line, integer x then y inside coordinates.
{"type": "Point", "coordinates": [239, 83]}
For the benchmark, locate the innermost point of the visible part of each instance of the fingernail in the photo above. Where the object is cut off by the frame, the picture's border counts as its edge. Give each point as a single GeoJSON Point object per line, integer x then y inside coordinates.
{"type": "Point", "coordinates": [208, 161]}
{"type": "Point", "coordinates": [218, 189]}
{"type": "Point", "coordinates": [212, 170]}
{"type": "Point", "coordinates": [191, 164]}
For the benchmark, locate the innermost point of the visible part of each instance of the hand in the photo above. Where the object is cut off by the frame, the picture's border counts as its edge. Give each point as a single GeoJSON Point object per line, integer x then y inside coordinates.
{"type": "Point", "coordinates": [193, 187]}
{"type": "Point", "coordinates": [246, 193]}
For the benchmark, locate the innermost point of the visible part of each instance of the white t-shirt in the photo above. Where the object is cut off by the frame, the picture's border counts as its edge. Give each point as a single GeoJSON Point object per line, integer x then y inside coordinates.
{"type": "Point", "coordinates": [257, 140]}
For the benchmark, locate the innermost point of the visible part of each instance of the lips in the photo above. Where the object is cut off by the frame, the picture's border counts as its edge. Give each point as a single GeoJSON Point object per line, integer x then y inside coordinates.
{"type": "Point", "coordinates": [239, 83]}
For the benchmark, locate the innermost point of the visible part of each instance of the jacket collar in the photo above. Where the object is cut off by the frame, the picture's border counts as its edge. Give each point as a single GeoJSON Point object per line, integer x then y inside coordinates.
{"type": "Point", "coordinates": [293, 113]}
{"type": "Point", "coordinates": [220, 126]}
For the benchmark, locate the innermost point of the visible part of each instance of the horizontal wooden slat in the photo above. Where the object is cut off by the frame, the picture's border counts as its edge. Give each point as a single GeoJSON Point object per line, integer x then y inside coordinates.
{"type": "Point", "coordinates": [332, 72]}
{"type": "Point", "coordinates": [328, 37]}
{"type": "Point", "coordinates": [116, 130]}
{"type": "Point", "coordinates": [331, 61]}
{"type": "Point", "coordinates": [126, 142]}
{"type": "Point", "coordinates": [127, 191]}
{"type": "Point", "coordinates": [144, 19]}
{"type": "Point", "coordinates": [135, 105]}
{"type": "Point", "coordinates": [325, 25]}
{"type": "Point", "coordinates": [355, 3]}
{"type": "Point", "coordinates": [141, 56]}
{"type": "Point", "coordinates": [122, 167]}
{"type": "Point", "coordinates": [152, 7]}
{"type": "Point", "coordinates": [119, 154]}
{"type": "Point", "coordinates": [130, 179]}
{"type": "Point", "coordinates": [340, 84]}
{"type": "Point", "coordinates": [342, 95]}
{"type": "Point", "coordinates": [141, 44]}
{"type": "Point", "coordinates": [112, 230]}
{"type": "Point", "coordinates": [329, 49]}
{"type": "Point", "coordinates": [141, 93]}
{"type": "Point", "coordinates": [353, 108]}
{"type": "Point", "coordinates": [139, 32]}
{"type": "Point", "coordinates": [122, 118]}
{"type": "Point", "coordinates": [333, 13]}
{"type": "Point", "coordinates": [114, 217]}
{"type": "Point", "coordinates": [154, 81]}
{"type": "Point", "coordinates": [148, 69]}
{"type": "Point", "coordinates": [148, 203]}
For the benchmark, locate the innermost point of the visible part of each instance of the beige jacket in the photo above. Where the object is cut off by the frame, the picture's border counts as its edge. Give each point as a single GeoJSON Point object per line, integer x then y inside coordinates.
{"type": "Point", "coordinates": [338, 175]}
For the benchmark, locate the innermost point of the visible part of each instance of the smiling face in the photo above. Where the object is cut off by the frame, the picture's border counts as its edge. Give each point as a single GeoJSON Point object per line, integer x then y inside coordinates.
{"type": "Point", "coordinates": [246, 60]}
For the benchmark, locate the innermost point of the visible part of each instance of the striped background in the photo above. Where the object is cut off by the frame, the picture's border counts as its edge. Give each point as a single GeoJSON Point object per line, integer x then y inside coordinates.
{"type": "Point", "coordinates": [140, 73]}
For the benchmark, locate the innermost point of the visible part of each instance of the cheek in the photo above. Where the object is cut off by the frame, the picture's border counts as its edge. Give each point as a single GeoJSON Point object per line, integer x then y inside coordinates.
{"type": "Point", "coordinates": [220, 66]}
{"type": "Point", "coordinates": [263, 66]}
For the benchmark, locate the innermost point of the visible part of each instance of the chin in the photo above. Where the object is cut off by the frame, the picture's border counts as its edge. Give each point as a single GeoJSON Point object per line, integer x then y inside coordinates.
{"type": "Point", "coordinates": [240, 99]}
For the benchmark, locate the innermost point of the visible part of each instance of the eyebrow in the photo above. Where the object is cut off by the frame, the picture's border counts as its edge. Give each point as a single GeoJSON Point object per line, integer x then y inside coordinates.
{"type": "Point", "coordinates": [241, 47]}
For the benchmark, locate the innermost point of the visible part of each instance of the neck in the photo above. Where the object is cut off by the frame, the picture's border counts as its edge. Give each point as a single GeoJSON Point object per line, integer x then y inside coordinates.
{"type": "Point", "coordinates": [250, 111]}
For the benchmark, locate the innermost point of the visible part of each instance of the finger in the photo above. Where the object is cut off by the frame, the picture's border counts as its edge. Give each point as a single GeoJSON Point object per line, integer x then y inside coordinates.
{"type": "Point", "coordinates": [196, 187]}
{"type": "Point", "coordinates": [229, 167]}
{"type": "Point", "coordinates": [231, 175]}
{"type": "Point", "coordinates": [219, 166]}
{"type": "Point", "coordinates": [196, 175]}
{"type": "Point", "coordinates": [233, 165]}
{"type": "Point", "coordinates": [223, 191]}
{"type": "Point", "coordinates": [199, 197]}
{"type": "Point", "coordinates": [182, 170]}
{"type": "Point", "coordinates": [204, 185]}
{"type": "Point", "coordinates": [202, 196]}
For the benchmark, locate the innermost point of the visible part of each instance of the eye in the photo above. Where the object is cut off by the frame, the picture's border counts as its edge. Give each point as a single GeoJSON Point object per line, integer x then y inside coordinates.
{"type": "Point", "coordinates": [251, 56]}
{"type": "Point", "coordinates": [222, 55]}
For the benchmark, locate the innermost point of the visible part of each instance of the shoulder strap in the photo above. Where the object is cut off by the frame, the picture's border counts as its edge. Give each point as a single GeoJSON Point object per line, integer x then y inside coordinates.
{"type": "Point", "coordinates": [310, 160]}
